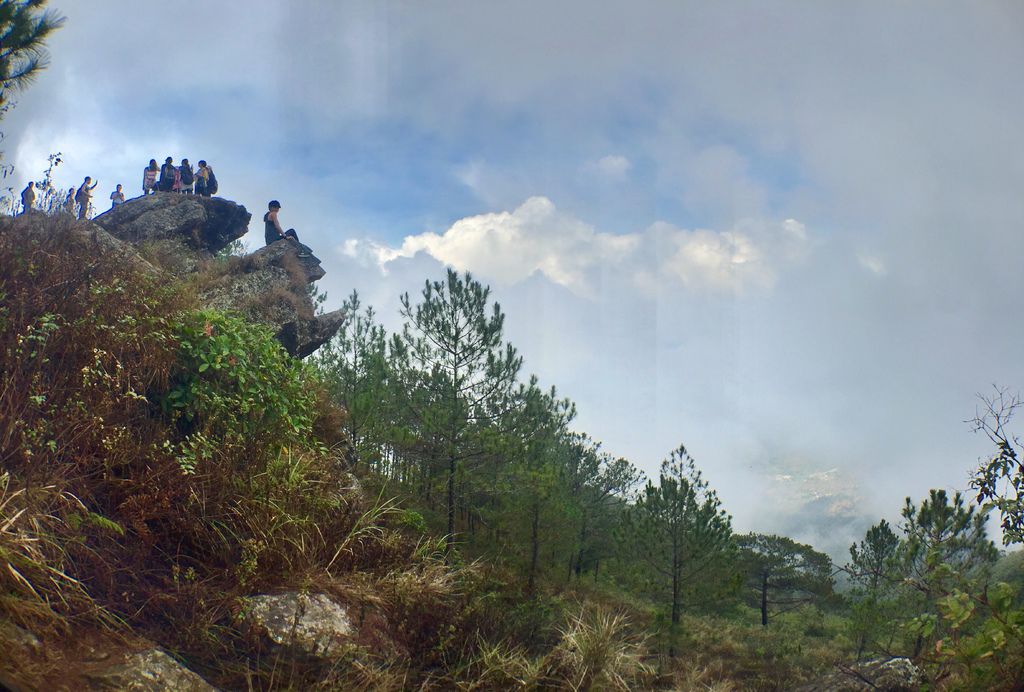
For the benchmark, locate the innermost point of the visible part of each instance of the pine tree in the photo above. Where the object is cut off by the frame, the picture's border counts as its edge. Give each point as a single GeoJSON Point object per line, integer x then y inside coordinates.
{"type": "Point", "coordinates": [539, 448]}
{"type": "Point", "coordinates": [783, 573]}
{"type": "Point", "coordinates": [947, 548]}
{"type": "Point", "coordinates": [466, 376]}
{"type": "Point", "coordinates": [598, 486]}
{"type": "Point", "coordinates": [679, 529]}
{"type": "Point", "coordinates": [876, 568]}
{"type": "Point", "coordinates": [24, 27]}
{"type": "Point", "coordinates": [355, 366]}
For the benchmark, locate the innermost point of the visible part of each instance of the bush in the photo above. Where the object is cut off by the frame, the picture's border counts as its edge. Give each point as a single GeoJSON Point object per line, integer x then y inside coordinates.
{"type": "Point", "coordinates": [235, 390]}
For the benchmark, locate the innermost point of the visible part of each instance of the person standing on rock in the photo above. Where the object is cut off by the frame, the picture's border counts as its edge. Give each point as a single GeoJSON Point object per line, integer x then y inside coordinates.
{"type": "Point", "coordinates": [202, 179]}
{"type": "Point", "coordinates": [69, 202]}
{"type": "Point", "coordinates": [186, 176]}
{"type": "Point", "coordinates": [84, 197]}
{"type": "Point", "coordinates": [149, 174]}
{"type": "Point", "coordinates": [116, 197]}
{"type": "Point", "coordinates": [28, 197]}
{"type": "Point", "coordinates": [167, 175]}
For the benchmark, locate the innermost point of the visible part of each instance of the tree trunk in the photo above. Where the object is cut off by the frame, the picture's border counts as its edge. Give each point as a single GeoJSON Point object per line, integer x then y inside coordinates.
{"type": "Point", "coordinates": [534, 548]}
{"type": "Point", "coordinates": [764, 599]}
{"type": "Point", "coordinates": [579, 555]}
{"type": "Point", "coordinates": [674, 626]}
{"type": "Point", "coordinates": [450, 541]}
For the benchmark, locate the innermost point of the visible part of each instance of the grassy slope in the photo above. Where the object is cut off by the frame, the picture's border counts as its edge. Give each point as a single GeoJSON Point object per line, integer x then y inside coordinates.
{"type": "Point", "coordinates": [105, 541]}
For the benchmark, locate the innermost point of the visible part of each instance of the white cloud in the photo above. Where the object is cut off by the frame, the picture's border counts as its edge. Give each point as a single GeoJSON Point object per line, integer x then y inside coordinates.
{"type": "Point", "coordinates": [613, 167]}
{"type": "Point", "coordinates": [507, 247]}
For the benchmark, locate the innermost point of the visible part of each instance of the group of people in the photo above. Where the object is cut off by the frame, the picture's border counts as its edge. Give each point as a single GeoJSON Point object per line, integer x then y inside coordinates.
{"type": "Point", "coordinates": [181, 179]}
{"type": "Point", "coordinates": [77, 200]}
{"type": "Point", "coordinates": [167, 178]}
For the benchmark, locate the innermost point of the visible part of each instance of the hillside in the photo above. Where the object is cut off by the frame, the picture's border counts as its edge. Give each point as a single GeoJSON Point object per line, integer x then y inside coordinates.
{"type": "Point", "coordinates": [186, 504]}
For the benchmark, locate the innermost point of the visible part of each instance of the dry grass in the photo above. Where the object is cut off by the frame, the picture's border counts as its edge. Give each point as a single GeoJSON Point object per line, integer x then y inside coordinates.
{"type": "Point", "coordinates": [597, 651]}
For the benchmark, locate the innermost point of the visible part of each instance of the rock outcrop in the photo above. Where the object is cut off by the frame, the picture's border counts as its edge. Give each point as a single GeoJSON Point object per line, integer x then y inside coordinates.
{"type": "Point", "coordinates": [312, 625]}
{"type": "Point", "coordinates": [182, 234]}
{"type": "Point", "coordinates": [270, 286]}
{"type": "Point", "coordinates": [152, 670]}
{"type": "Point", "coordinates": [206, 224]}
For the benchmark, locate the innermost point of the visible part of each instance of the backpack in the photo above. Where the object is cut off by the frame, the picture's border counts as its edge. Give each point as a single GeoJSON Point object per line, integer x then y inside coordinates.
{"type": "Point", "coordinates": [186, 175]}
{"type": "Point", "coordinates": [81, 197]}
{"type": "Point", "coordinates": [211, 182]}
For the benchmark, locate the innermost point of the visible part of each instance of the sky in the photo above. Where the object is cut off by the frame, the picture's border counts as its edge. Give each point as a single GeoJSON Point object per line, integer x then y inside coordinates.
{"type": "Point", "coordinates": [787, 234]}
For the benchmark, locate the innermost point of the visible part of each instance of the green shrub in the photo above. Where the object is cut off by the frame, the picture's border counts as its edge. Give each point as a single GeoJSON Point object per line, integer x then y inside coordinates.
{"type": "Point", "coordinates": [236, 390]}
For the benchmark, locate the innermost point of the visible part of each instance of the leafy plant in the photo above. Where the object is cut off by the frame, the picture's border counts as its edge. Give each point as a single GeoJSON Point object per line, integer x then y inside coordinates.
{"type": "Point", "coordinates": [234, 389]}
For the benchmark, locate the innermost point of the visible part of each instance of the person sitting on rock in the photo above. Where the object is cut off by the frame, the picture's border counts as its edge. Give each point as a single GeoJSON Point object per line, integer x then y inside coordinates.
{"type": "Point", "coordinates": [149, 174]}
{"type": "Point", "coordinates": [274, 232]}
{"type": "Point", "coordinates": [273, 226]}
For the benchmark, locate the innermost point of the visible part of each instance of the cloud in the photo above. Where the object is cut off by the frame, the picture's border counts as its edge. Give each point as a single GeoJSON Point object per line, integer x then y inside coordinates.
{"type": "Point", "coordinates": [818, 506]}
{"type": "Point", "coordinates": [873, 264]}
{"type": "Point", "coordinates": [507, 247]}
{"type": "Point", "coordinates": [613, 168]}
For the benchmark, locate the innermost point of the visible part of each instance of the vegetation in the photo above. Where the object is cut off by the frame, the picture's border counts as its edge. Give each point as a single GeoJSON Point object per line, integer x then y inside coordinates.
{"type": "Point", "coordinates": [24, 27]}
{"type": "Point", "coordinates": [160, 462]}
{"type": "Point", "coordinates": [1000, 480]}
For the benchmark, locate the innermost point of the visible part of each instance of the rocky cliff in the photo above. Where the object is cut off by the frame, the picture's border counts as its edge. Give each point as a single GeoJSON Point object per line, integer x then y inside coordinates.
{"type": "Point", "coordinates": [182, 234]}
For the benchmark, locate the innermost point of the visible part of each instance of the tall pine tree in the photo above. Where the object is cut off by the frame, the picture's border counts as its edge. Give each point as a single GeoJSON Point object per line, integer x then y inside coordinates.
{"type": "Point", "coordinates": [453, 336]}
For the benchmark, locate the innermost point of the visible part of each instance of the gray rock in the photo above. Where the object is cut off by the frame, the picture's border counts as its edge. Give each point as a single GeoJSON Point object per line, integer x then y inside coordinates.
{"type": "Point", "coordinates": [152, 670]}
{"type": "Point", "coordinates": [269, 286]}
{"type": "Point", "coordinates": [181, 233]}
{"type": "Point", "coordinates": [208, 224]}
{"type": "Point", "coordinates": [310, 625]}
{"type": "Point", "coordinates": [101, 242]}
{"type": "Point", "coordinates": [291, 257]}
{"type": "Point", "coordinates": [19, 636]}
{"type": "Point", "coordinates": [303, 337]}
{"type": "Point", "coordinates": [893, 675]}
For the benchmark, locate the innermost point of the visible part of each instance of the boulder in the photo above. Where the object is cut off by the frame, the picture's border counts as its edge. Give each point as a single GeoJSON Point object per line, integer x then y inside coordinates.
{"type": "Point", "coordinates": [289, 256]}
{"type": "Point", "coordinates": [270, 286]}
{"type": "Point", "coordinates": [892, 675]}
{"type": "Point", "coordinates": [302, 337]}
{"type": "Point", "coordinates": [182, 233]}
{"type": "Point", "coordinates": [308, 625]}
{"type": "Point", "coordinates": [207, 224]}
{"type": "Point", "coordinates": [152, 670]}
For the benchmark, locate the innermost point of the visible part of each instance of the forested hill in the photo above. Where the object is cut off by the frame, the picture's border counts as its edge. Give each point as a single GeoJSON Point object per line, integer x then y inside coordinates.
{"type": "Point", "coordinates": [184, 499]}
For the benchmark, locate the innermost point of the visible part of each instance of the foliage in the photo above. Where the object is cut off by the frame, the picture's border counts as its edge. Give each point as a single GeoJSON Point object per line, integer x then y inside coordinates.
{"type": "Point", "coordinates": [1000, 480]}
{"type": "Point", "coordinates": [876, 569]}
{"type": "Point", "coordinates": [680, 530]}
{"type": "Point", "coordinates": [465, 376]}
{"type": "Point", "coordinates": [234, 388]}
{"type": "Point", "coordinates": [782, 573]}
{"type": "Point", "coordinates": [24, 28]}
{"type": "Point", "coordinates": [984, 647]}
